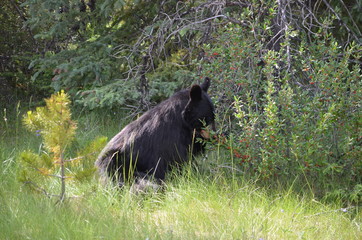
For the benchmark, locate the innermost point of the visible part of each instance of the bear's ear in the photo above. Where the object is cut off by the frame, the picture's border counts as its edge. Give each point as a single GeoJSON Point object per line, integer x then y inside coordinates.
{"type": "Point", "coordinates": [196, 93]}
{"type": "Point", "coordinates": [206, 84]}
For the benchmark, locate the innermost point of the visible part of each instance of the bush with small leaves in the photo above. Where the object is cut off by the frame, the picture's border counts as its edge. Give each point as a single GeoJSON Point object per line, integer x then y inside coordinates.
{"type": "Point", "coordinates": [291, 113]}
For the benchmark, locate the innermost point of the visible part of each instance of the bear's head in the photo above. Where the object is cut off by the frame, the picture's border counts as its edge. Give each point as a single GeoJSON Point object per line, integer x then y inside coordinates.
{"type": "Point", "coordinates": [199, 111]}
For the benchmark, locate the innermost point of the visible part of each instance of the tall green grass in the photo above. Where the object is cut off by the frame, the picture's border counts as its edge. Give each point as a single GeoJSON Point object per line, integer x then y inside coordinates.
{"type": "Point", "coordinates": [192, 207]}
{"type": "Point", "coordinates": [200, 203]}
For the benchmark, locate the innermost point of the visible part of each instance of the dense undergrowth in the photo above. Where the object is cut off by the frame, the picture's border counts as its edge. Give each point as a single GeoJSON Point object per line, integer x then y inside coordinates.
{"type": "Point", "coordinates": [214, 200]}
{"type": "Point", "coordinates": [295, 112]}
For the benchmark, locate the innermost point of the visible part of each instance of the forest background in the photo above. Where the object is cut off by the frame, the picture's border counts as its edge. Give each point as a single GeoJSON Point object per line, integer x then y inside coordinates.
{"type": "Point", "coordinates": [286, 80]}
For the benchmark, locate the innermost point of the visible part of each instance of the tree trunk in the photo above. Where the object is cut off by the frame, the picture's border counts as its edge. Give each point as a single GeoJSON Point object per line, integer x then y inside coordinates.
{"type": "Point", "coordinates": [62, 174]}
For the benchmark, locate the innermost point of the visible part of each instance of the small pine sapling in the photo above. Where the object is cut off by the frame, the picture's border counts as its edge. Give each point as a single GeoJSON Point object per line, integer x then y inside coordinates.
{"type": "Point", "coordinates": [54, 124]}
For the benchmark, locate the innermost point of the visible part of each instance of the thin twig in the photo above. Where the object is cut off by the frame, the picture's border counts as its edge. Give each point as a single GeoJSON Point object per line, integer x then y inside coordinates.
{"type": "Point", "coordinates": [331, 211]}
{"type": "Point", "coordinates": [343, 23]}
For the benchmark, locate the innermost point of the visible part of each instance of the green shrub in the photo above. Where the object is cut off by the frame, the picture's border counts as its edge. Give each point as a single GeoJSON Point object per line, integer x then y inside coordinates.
{"type": "Point", "coordinates": [289, 115]}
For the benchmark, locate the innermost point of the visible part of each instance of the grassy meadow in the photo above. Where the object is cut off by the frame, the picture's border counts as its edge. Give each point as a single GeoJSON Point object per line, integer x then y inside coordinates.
{"type": "Point", "coordinates": [208, 203]}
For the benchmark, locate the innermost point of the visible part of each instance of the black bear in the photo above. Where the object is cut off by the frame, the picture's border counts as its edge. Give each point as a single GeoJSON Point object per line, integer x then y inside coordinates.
{"type": "Point", "coordinates": [162, 137]}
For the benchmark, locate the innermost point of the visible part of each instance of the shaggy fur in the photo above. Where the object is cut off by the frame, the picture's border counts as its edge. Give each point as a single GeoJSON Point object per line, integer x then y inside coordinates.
{"type": "Point", "coordinates": [160, 138]}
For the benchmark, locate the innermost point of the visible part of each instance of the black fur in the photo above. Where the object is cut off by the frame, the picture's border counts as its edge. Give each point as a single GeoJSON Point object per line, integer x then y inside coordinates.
{"type": "Point", "coordinates": [160, 138]}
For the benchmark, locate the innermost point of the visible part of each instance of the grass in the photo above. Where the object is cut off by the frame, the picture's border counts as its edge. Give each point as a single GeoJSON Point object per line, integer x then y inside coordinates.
{"type": "Point", "coordinates": [189, 208]}
{"type": "Point", "coordinates": [195, 205]}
